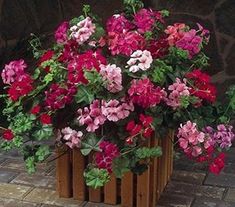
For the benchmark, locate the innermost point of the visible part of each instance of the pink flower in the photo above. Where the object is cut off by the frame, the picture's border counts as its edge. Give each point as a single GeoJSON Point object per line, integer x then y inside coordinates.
{"type": "Point", "coordinates": [140, 60]}
{"type": "Point", "coordinates": [72, 137]}
{"type": "Point", "coordinates": [113, 76]}
{"type": "Point", "coordinates": [118, 23]}
{"type": "Point", "coordinates": [178, 90]}
{"type": "Point", "coordinates": [143, 93]}
{"type": "Point", "coordinates": [14, 71]}
{"type": "Point", "coordinates": [82, 31]}
{"type": "Point", "coordinates": [190, 139]}
{"type": "Point", "coordinates": [175, 33]}
{"type": "Point", "coordinates": [191, 42]}
{"type": "Point", "coordinates": [145, 19]}
{"type": "Point", "coordinates": [61, 33]}
{"type": "Point", "coordinates": [125, 43]}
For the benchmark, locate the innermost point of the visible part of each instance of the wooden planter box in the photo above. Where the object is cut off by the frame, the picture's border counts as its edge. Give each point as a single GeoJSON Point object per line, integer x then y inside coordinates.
{"type": "Point", "coordinates": [132, 190]}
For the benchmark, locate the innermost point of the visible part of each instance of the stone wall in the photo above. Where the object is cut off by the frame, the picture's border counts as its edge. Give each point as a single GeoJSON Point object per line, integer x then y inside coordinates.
{"type": "Point", "coordinates": [19, 18]}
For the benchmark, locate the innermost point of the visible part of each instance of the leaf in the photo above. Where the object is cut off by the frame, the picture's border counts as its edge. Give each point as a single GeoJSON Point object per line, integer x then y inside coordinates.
{"type": "Point", "coordinates": [44, 133]}
{"type": "Point", "coordinates": [120, 166]}
{"type": "Point", "coordinates": [36, 74]}
{"type": "Point", "coordinates": [30, 165]}
{"type": "Point", "coordinates": [96, 177]}
{"type": "Point", "coordinates": [42, 152]}
{"type": "Point", "coordinates": [84, 95]}
{"type": "Point", "coordinates": [145, 152]}
{"type": "Point", "coordinates": [91, 142]}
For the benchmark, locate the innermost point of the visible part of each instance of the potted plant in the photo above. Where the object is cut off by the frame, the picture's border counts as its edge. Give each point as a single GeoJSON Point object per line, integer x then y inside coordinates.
{"type": "Point", "coordinates": [108, 90]}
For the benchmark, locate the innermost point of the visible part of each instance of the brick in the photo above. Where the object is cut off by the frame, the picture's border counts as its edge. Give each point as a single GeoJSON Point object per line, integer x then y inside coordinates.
{"type": "Point", "coordinates": [224, 179]}
{"type": "Point", "coordinates": [210, 202]}
{"type": "Point", "coordinates": [188, 177]}
{"type": "Point", "coordinates": [6, 176]}
{"type": "Point", "coordinates": [47, 196]}
{"type": "Point", "coordinates": [230, 195]}
{"type": "Point", "coordinates": [16, 203]}
{"type": "Point", "coordinates": [175, 200]}
{"type": "Point", "coordinates": [35, 180]}
{"type": "Point", "coordinates": [194, 190]}
{"type": "Point", "coordinates": [90, 204]}
{"type": "Point", "coordinates": [13, 191]}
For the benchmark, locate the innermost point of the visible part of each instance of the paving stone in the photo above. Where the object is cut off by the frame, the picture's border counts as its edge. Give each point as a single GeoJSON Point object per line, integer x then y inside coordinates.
{"type": "Point", "coordinates": [6, 175]}
{"type": "Point", "coordinates": [8, 190]}
{"type": "Point", "coordinates": [169, 200]}
{"type": "Point", "coordinates": [90, 204]}
{"type": "Point", "coordinates": [35, 180]}
{"type": "Point", "coordinates": [16, 203]}
{"type": "Point", "coordinates": [224, 179]}
{"type": "Point", "coordinates": [188, 177]}
{"type": "Point", "coordinates": [210, 202]}
{"type": "Point", "coordinates": [194, 190]}
{"type": "Point", "coordinates": [14, 164]}
{"type": "Point", "coordinates": [230, 195]}
{"type": "Point", "coordinates": [47, 196]}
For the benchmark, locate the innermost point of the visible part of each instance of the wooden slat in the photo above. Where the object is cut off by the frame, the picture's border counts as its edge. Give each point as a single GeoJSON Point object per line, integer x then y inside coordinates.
{"type": "Point", "coordinates": [63, 173]}
{"type": "Point", "coordinates": [95, 195]}
{"type": "Point", "coordinates": [153, 176]}
{"type": "Point", "coordinates": [110, 191]}
{"type": "Point", "coordinates": [127, 188]}
{"type": "Point", "coordinates": [143, 191]}
{"type": "Point", "coordinates": [159, 173]}
{"type": "Point", "coordinates": [79, 187]}
{"type": "Point", "coordinates": [172, 151]}
{"type": "Point", "coordinates": [165, 162]}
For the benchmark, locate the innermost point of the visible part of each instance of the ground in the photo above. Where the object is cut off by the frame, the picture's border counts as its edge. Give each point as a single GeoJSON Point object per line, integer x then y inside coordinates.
{"type": "Point", "coordinates": [190, 186]}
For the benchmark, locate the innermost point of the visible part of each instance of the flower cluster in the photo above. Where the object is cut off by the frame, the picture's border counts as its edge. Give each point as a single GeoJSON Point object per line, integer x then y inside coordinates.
{"type": "Point", "coordinates": [143, 93]}
{"type": "Point", "coordinates": [140, 60]}
{"type": "Point", "coordinates": [82, 31]}
{"type": "Point", "coordinates": [106, 89]}
{"type": "Point", "coordinates": [104, 159]}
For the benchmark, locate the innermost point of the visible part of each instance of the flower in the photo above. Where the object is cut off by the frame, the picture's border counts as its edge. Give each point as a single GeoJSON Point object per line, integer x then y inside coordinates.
{"type": "Point", "coordinates": [158, 47]}
{"type": "Point", "coordinates": [118, 23]}
{"type": "Point", "coordinates": [175, 33]}
{"type": "Point", "coordinates": [14, 71]}
{"type": "Point", "coordinates": [58, 96]}
{"type": "Point", "coordinates": [45, 57]}
{"type": "Point", "coordinates": [203, 88]}
{"type": "Point", "coordinates": [36, 109]}
{"type": "Point", "coordinates": [20, 88]}
{"type": "Point", "coordinates": [8, 134]}
{"type": "Point", "coordinates": [218, 164]}
{"type": "Point", "coordinates": [113, 75]}
{"type": "Point", "coordinates": [61, 33]}
{"type": "Point", "coordinates": [82, 31]}
{"type": "Point", "coordinates": [45, 119]}
{"type": "Point", "coordinates": [191, 42]}
{"type": "Point", "coordinates": [143, 93]}
{"type": "Point", "coordinates": [86, 61]}
{"type": "Point", "coordinates": [125, 43]}
{"type": "Point", "coordinates": [140, 60]}
{"type": "Point", "coordinates": [145, 19]}
{"type": "Point", "coordinates": [72, 137]}
{"type": "Point", "coordinates": [178, 90]}
{"type": "Point", "coordinates": [109, 152]}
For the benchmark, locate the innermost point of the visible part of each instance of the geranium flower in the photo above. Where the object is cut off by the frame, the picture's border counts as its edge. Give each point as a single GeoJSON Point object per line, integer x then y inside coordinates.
{"type": "Point", "coordinates": [46, 56]}
{"type": "Point", "coordinates": [36, 109]}
{"type": "Point", "coordinates": [14, 71]}
{"type": "Point", "coordinates": [45, 119]}
{"type": "Point", "coordinates": [72, 137]}
{"type": "Point", "coordinates": [8, 134]}
{"type": "Point", "coordinates": [61, 33]}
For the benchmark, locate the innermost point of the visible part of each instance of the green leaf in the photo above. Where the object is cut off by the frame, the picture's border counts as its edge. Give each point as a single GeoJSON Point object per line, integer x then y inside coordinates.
{"type": "Point", "coordinates": [120, 166]}
{"type": "Point", "coordinates": [42, 152]}
{"type": "Point", "coordinates": [30, 165]}
{"type": "Point", "coordinates": [89, 143]}
{"type": "Point", "coordinates": [36, 74]}
{"type": "Point", "coordinates": [44, 133]}
{"type": "Point", "coordinates": [145, 152]}
{"type": "Point", "coordinates": [96, 178]}
{"type": "Point", "coordinates": [84, 95]}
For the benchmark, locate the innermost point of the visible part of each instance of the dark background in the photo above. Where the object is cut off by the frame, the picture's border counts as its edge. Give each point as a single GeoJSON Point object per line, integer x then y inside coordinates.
{"type": "Point", "coordinates": [19, 18]}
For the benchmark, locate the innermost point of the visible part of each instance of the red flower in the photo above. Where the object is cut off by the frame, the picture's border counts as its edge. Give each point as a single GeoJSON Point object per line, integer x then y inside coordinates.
{"type": "Point", "coordinates": [158, 48]}
{"type": "Point", "coordinates": [45, 119]}
{"type": "Point", "coordinates": [147, 133]}
{"type": "Point", "coordinates": [35, 109]}
{"type": "Point", "coordinates": [133, 128]}
{"type": "Point", "coordinates": [46, 56]}
{"type": "Point", "coordinates": [218, 164]}
{"type": "Point", "coordinates": [8, 134]}
{"type": "Point", "coordinates": [146, 120]}
{"type": "Point", "coordinates": [20, 88]}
